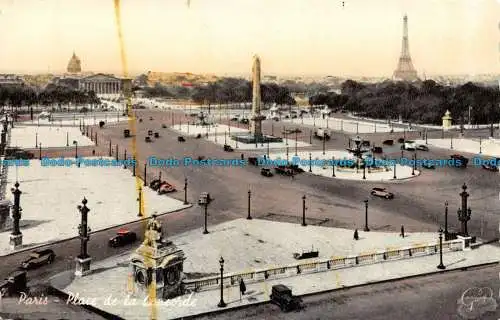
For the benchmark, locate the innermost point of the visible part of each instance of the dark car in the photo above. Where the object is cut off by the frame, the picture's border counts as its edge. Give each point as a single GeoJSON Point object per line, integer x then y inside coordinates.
{"type": "Point", "coordinates": [164, 126]}
{"type": "Point", "coordinates": [295, 168]}
{"type": "Point", "coordinates": [122, 238]}
{"type": "Point", "coordinates": [266, 172]}
{"type": "Point", "coordinates": [181, 139]}
{"type": "Point", "coordinates": [382, 193]}
{"type": "Point", "coordinates": [427, 165]}
{"type": "Point", "coordinates": [157, 135]}
{"type": "Point", "coordinates": [377, 150]}
{"type": "Point", "coordinates": [284, 170]}
{"type": "Point", "coordinates": [422, 147]}
{"type": "Point", "coordinates": [489, 167]}
{"type": "Point", "coordinates": [126, 133]}
{"type": "Point", "coordinates": [150, 132]}
{"type": "Point", "coordinates": [14, 283]}
{"type": "Point", "coordinates": [244, 121]}
{"type": "Point", "coordinates": [147, 139]}
{"type": "Point", "coordinates": [401, 140]}
{"type": "Point", "coordinates": [253, 161]}
{"type": "Point", "coordinates": [234, 119]}
{"type": "Point", "coordinates": [150, 118]}
{"type": "Point", "coordinates": [228, 148]}
{"type": "Point", "coordinates": [388, 142]}
{"type": "Point", "coordinates": [291, 131]}
{"type": "Point", "coordinates": [282, 296]}
{"type": "Point", "coordinates": [18, 153]}
{"type": "Point", "coordinates": [38, 258]}
{"type": "Point", "coordinates": [463, 160]}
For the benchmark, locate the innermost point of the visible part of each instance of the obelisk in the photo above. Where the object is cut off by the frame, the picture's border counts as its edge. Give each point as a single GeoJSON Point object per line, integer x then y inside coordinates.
{"type": "Point", "coordinates": [256, 124]}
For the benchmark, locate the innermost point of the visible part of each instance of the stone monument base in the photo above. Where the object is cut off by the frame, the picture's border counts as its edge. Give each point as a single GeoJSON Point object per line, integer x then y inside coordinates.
{"type": "Point", "coordinates": [466, 242]}
{"type": "Point", "coordinates": [250, 138]}
{"type": "Point", "coordinates": [16, 241]}
{"type": "Point", "coordinates": [82, 266]}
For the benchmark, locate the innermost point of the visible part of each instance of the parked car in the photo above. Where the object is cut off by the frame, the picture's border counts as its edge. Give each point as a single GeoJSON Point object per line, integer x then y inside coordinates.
{"type": "Point", "coordinates": [198, 136]}
{"type": "Point", "coordinates": [388, 142]}
{"type": "Point", "coordinates": [235, 118]}
{"type": "Point", "coordinates": [228, 148]}
{"type": "Point", "coordinates": [150, 132]}
{"type": "Point", "coordinates": [253, 161]}
{"type": "Point", "coordinates": [427, 165]}
{"type": "Point", "coordinates": [155, 184]}
{"type": "Point", "coordinates": [422, 147]}
{"type": "Point", "coordinates": [401, 140]}
{"type": "Point", "coordinates": [377, 150]}
{"type": "Point", "coordinates": [244, 121]}
{"type": "Point", "coordinates": [150, 118]}
{"type": "Point", "coordinates": [122, 238]}
{"type": "Point", "coordinates": [463, 160]}
{"type": "Point", "coordinates": [284, 170]}
{"type": "Point", "coordinates": [126, 133]}
{"type": "Point", "coordinates": [292, 131]}
{"type": "Point", "coordinates": [16, 282]}
{"type": "Point", "coordinates": [282, 296]}
{"type": "Point", "coordinates": [382, 192]}
{"type": "Point", "coordinates": [17, 153]}
{"type": "Point", "coordinates": [157, 135]}
{"type": "Point", "coordinates": [266, 172]}
{"type": "Point", "coordinates": [166, 187]}
{"type": "Point", "coordinates": [181, 139]}
{"type": "Point", "coordinates": [489, 167]}
{"type": "Point", "coordinates": [295, 168]}
{"type": "Point", "coordinates": [147, 139]}
{"type": "Point", "coordinates": [38, 258]}
{"type": "Point", "coordinates": [164, 126]}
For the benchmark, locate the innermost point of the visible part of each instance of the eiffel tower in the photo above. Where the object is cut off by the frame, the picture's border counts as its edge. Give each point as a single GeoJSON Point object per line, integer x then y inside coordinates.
{"type": "Point", "coordinates": [405, 70]}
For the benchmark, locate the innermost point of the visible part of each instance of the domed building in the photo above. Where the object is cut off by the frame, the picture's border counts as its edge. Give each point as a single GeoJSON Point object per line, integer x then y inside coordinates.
{"type": "Point", "coordinates": [74, 65]}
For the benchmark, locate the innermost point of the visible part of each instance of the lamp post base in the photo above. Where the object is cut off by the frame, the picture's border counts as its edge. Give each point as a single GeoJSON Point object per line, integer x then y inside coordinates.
{"type": "Point", "coordinates": [16, 241]}
{"type": "Point", "coordinates": [206, 232]}
{"type": "Point", "coordinates": [82, 266]}
{"type": "Point", "coordinates": [441, 266]}
{"type": "Point", "coordinates": [222, 304]}
{"type": "Point", "coordinates": [366, 229]}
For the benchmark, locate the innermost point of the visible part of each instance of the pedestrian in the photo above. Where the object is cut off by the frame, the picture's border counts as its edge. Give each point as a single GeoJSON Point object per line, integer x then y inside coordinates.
{"type": "Point", "coordinates": [242, 156]}
{"type": "Point", "coordinates": [402, 235]}
{"type": "Point", "coordinates": [243, 287]}
{"type": "Point", "coordinates": [356, 235]}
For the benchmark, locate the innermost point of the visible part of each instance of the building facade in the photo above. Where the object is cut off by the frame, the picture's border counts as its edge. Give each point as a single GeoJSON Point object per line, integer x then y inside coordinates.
{"type": "Point", "coordinates": [11, 80]}
{"type": "Point", "coordinates": [102, 84]}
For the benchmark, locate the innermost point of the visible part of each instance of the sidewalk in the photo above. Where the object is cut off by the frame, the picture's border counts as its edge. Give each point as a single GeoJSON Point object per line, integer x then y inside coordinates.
{"type": "Point", "coordinates": [250, 245]}
{"type": "Point", "coordinates": [206, 301]}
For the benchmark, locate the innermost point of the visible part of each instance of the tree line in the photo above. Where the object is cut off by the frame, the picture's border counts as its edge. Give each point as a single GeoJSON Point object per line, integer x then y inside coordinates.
{"type": "Point", "coordinates": [227, 90]}
{"type": "Point", "coordinates": [425, 102]}
{"type": "Point", "coordinates": [17, 96]}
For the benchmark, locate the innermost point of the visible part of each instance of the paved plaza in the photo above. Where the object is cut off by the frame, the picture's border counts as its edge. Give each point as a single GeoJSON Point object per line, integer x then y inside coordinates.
{"type": "Point", "coordinates": [28, 136]}
{"type": "Point", "coordinates": [351, 126]}
{"type": "Point", "coordinates": [247, 245]}
{"type": "Point", "coordinates": [382, 173]}
{"type": "Point", "coordinates": [483, 147]}
{"type": "Point", "coordinates": [212, 130]}
{"type": "Point", "coordinates": [51, 194]}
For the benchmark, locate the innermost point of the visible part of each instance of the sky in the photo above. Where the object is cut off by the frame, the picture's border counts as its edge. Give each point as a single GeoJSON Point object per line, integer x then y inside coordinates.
{"type": "Point", "coordinates": [292, 37]}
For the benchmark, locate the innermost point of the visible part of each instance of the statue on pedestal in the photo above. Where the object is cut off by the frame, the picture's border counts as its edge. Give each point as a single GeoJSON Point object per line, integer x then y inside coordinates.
{"type": "Point", "coordinates": [154, 234]}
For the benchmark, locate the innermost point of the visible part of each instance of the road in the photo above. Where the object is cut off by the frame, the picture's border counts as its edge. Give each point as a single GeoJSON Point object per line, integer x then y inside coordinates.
{"type": "Point", "coordinates": [418, 204]}
{"type": "Point", "coordinates": [426, 298]}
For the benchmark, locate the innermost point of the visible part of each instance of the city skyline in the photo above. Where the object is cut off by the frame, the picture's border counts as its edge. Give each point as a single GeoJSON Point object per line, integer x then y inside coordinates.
{"type": "Point", "coordinates": [316, 37]}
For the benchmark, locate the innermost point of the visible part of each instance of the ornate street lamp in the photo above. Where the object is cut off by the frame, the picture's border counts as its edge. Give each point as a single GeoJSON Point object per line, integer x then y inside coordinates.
{"type": "Point", "coordinates": [446, 220]}
{"type": "Point", "coordinates": [83, 229]}
{"type": "Point", "coordinates": [249, 217]}
{"type": "Point", "coordinates": [185, 191]}
{"type": "Point", "coordinates": [16, 237]}
{"type": "Point", "coordinates": [441, 265]}
{"type": "Point", "coordinates": [75, 143]}
{"type": "Point", "coordinates": [304, 211]}
{"type": "Point", "coordinates": [40, 151]}
{"type": "Point", "coordinates": [204, 200]}
{"type": "Point", "coordinates": [139, 200]}
{"type": "Point", "coordinates": [366, 216]}
{"type": "Point", "coordinates": [464, 213]}
{"type": "Point", "coordinates": [221, 304]}
{"type": "Point", "coordinates": [333, 166]}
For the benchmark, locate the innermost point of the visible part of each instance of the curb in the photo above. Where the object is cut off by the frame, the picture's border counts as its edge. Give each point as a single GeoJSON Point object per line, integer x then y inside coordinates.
{"type": "Point", "coordinates": [93, 232]}
{"type": "Point", "coordinates": [214, 312]}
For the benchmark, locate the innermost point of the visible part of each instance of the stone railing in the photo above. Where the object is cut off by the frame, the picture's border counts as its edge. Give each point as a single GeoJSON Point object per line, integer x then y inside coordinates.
{"type": "Point", "coordinates": [319, 265]}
